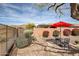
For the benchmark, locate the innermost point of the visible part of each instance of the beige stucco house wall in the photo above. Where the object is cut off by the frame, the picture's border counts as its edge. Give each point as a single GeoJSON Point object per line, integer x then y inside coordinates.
{"type": "Point", "coordinates": [38, 32]}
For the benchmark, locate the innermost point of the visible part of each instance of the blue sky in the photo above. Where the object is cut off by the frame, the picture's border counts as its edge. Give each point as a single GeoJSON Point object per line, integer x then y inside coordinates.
{"type": "Point", "coordinates": [23, 13]}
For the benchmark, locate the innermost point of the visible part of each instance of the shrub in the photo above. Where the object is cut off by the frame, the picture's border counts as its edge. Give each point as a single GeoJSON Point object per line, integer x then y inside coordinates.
{"type": "Point", "coordinates": [30, 26]}
{"type": "Point", "coordinates": [28, 33]}
{"type": "Point", "coordinates": [23, 42]}
{"type": "Point", "coordinates": [75, 32]}
{"type": "Point", "coordinates": [45, 34]}
{"type": "Point", "coordinates": [56, 33]}
{"type": "Point", "coordinates": [66, 32]}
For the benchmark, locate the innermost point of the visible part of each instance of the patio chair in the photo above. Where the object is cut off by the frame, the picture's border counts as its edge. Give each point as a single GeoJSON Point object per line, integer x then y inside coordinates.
{"type": "Point", "coordinates": [58, 41]}
{"type": "Point", "coordinates": [66, 43]}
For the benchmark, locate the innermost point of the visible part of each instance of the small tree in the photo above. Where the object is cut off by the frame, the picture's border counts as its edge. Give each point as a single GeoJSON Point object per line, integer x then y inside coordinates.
{"type": "Point", "coordinates": [30, 26]}
{"type": "Point", "coordinates": [74, 7]}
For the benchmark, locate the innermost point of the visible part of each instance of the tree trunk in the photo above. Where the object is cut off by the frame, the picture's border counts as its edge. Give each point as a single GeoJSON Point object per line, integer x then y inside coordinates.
{"type": "Point", "coordinates": [74, 10]}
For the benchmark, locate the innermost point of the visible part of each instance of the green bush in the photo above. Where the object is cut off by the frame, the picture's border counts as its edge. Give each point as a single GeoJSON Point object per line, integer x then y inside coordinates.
{"type": "Point", "coordinates": [66, 32]}
{"type": "Point", "coordinates": [30, 26]}
{"type": "Point", "coordinates": [45, 34]}
{"type": "Point", "coordinates": [56, 33]}
{"type": "Point", "coordinates": [28, 33]}
{"type": "Point", "coordinates": [75, 32]}
{"type": "Point", "coordinates": [23, 42]}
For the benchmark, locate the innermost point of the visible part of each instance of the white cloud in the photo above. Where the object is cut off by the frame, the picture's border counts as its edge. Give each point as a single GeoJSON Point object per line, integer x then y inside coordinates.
{"type": "Point", "coordinates": [30, 14]}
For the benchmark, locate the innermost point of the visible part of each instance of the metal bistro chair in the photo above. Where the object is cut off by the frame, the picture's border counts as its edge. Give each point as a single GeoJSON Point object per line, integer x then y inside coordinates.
{"type": "Point", "coordinates": [58, 41]}
{"type": "Point", "coordinates": [66, 43]}
{"type": "Point", "coordinates": [56, 34]}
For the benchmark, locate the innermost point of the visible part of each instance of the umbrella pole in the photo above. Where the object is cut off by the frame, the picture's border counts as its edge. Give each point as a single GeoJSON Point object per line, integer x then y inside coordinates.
{"type": "Point", "coordinates": [60, 32]}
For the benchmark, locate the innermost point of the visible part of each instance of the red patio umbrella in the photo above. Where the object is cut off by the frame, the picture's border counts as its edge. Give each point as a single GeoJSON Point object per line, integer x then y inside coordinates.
{"type": "Point", "coordinates": [61, 24]}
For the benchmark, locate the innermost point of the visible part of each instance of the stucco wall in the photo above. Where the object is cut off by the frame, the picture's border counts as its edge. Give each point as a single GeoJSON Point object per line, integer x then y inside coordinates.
{"type": "Point", "coordinates": [38, 32]}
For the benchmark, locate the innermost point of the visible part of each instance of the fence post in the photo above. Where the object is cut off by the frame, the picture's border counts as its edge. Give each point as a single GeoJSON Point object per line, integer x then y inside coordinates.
{"type": "Point", "coordinates": [6, 37]}
{"type": "Point", "coordinates": [17, 32]}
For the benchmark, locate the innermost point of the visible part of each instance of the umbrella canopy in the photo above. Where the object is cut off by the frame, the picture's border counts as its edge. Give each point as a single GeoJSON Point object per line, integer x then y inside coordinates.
{"type": "Point", "coordinates": [61, 24]}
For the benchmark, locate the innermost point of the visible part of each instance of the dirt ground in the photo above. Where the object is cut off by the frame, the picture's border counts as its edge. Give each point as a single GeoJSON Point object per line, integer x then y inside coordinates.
{"type": "Point", "coordinates": [42, 48]}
